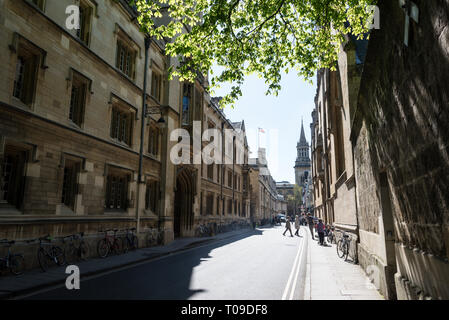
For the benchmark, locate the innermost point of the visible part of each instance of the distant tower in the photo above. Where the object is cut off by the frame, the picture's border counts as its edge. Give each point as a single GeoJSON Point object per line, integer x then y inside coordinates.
{"type": "Point", "coordinates": [302, 164]}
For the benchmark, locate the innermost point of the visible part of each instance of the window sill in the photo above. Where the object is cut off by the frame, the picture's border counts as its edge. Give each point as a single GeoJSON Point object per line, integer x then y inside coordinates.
{"type": "Point", "coordinates": [66, 211]}
{"type": "Point", "coordinates": [18, 103]}
{"type": "Point", "coordinates": [121, 144]}
{"type": "Point", "coordinates": [8, 209]}
{"type": "Point", "coordinates": [119, 71]}
{"type": "Point", "coordinates": [152, 156]}
{"type": "Point", "coordinates": [150, 214]}
{"type": "Point", "coordinates": [74, 125]}
{"type": "Point", "coordinates": [115, 212]}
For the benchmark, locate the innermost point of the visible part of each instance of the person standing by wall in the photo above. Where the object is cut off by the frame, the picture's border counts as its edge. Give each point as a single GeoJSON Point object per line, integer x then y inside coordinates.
{"type": "Point", "coordinates": [320, 229]}
{"type": "Point", "coordinates": [310, 223]}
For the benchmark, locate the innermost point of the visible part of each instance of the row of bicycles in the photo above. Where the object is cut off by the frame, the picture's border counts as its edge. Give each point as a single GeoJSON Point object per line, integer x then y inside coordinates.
{"type": "Point", "coordinates": [73, 248]}
{"type": "Point", "coordinates": [209, 229]}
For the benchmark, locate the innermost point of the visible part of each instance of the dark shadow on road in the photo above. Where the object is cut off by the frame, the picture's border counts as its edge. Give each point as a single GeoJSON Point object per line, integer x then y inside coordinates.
{"type": "Point", "coordinates": [167, 278]}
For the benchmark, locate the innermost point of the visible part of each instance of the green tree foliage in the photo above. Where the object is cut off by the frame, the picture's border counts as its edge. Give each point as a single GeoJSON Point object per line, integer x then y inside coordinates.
{"type": "Point", "coordinates": [265, 37]}
{"type": "Point", "coordinates": [296, 196]}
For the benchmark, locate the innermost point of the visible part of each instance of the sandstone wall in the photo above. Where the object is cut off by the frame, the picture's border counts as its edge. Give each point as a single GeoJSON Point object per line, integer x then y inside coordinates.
{"type": "Point", "coordinates": [401, 128]}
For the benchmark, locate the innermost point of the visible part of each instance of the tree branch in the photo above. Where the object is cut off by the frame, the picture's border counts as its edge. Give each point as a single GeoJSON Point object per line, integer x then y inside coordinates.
{"type": "Point", "coordinates": [267, 19]}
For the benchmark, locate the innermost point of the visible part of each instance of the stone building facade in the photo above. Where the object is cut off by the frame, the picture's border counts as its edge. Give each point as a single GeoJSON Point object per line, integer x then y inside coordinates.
{"type": "Point", "coordinates": [70, 127]}
{"type": "Point", "coordinates": [394, 91]}
{"type": "Point", "coordinates": [332, 154]}
{"type": "Point", "coordinates": [262, 192]}
{"type": "Point", "coordinates": [224, 187]}
{"type": "Point", "coordinates": [287, 190]}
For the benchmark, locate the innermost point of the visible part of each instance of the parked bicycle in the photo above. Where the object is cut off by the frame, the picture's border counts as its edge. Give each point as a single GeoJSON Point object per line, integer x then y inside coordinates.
{"type": "Point", "coordinates": [154, 237]}
{"type": "Point", "coordinates": [130, 242]}
{"type": "Point", "coordinates": [14, 262]}
{"type": "Point", "coordinates": [330, 235]}
{"type": "Point", "coordinates": [48, 252]}
{"type": "Point", "coordinates": [76, 248]}
{"type": "Point", "coordinates": [343, 246]}
{"type": "Point", "coordinates": [202, 231]}
{"type": "Point", "coordinates": [109, 244]}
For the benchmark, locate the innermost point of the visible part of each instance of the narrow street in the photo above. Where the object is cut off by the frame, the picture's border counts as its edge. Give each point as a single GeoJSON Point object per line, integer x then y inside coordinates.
{"type": "Point", "coordinates": [260, 265]}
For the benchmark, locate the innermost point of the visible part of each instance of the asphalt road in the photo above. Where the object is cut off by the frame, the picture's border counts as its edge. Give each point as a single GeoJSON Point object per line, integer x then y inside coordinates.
{"type": "Point", "coordinates": [261, 265]}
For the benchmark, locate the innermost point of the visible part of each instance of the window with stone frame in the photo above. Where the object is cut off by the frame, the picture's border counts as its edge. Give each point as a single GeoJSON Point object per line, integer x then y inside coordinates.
{"type": "Point", "coordinates": [229, 206]}
{"type": "Point", "coordinates": [153, 141]}
{"type": "Point", "coordinates": [198, 104]}
{"type": "Point", "coordinates": [156, 85]}
{"type": "Point", "coordinates": [218, 172]}
{"type": "Point", "coordinates": [70, 182]}
{"type": "Point", "coordinates": [210, 171]}
{"type": "Point", "coordinates": [12, 179]}
{"type": "Point", "coordinates": [26, 72]}
{"type": "Point", "coordinates": [209, 204]}
{"type": "Point", "coordinates": [39, 3]}
{"type": "Point", "coordinates": [117, 182]}
{"type": "Point", "coordinates": [122, 120]}
{"type": "Point", "coordinates": [86, 14]}
{"type": "Point", "coordinates": [126, 58]}
{"type": "Point", "coordinates": [235, 181]}
{"type": "Point", "coordinates": [339, 141]}
{"type": "Point", "coordinates": [186, 115]}
{"type": "Point", "coordinates": [230, 179]}
{"type": "Point", "coordinates": [78, 97]}
{"type": "Point", "coordinates": [152, 196]}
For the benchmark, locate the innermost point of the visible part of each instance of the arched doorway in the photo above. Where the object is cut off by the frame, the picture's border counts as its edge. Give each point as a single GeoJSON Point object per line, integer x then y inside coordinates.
{"type": "Point", "coordinates": [184, 194]}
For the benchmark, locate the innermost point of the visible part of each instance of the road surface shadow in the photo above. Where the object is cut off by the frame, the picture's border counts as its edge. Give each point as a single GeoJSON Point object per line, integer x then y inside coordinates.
{"type": "Point", "coordinates": [168, 278]}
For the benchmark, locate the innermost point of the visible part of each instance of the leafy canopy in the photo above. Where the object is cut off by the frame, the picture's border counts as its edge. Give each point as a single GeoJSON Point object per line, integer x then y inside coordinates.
{"type": "Point", "coordinates": [265, 37]}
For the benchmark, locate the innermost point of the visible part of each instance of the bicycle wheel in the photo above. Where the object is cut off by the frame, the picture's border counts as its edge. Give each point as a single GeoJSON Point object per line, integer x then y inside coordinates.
{"type": "Point", "coordinates": [117, 246]}
{"type": "Point", "coordinates": [160, 237]}
{"type": "Point", "coordinates": [135, 243]}
{"type": "Point", "coordinates": [151, 239]}
{"type": "Point", "coordinates": [103, 248]}
{"type": "Point", "coordinates": [71, 254]}
{"type": "Point", "coordinates": [127, 245]}
{"type": "Point", "coordinates": [59, 255]}
{"type": "Point", "coordinates": [16, 264]}
{"type": "Point", "coordinates": [340, 249]}
{"type": "Point", "coordinates": [346, 250]}
{"type": "Point", "coordinates": [43, 259]}
{"type": "Point", "coordinates": [83, 250]}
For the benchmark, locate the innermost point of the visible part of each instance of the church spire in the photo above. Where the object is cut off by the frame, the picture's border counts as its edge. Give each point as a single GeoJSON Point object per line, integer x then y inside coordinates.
{"type": "Point", "coordinates": [302, 139]}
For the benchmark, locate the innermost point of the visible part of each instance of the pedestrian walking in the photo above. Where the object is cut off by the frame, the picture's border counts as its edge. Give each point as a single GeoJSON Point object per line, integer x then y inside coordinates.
{"type": "Point", "coordinates": [310, 223]}
{"type": "Point", "coordinates": [288, 227]}
{"type": "Point", "coordinates": [320, 229]}
{"type": "Point", "coordinates": [297, 225]}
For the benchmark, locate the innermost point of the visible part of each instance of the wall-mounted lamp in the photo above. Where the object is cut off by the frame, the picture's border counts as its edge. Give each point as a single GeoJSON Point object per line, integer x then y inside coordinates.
{"type": "Point", "coordinates": [156, 110]}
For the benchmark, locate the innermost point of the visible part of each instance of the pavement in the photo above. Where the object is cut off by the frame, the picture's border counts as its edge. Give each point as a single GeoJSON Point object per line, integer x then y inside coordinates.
{"type": "Point", "coordinates": [331, 278]}
{"type": "Point", "coordinates": [34, 280]}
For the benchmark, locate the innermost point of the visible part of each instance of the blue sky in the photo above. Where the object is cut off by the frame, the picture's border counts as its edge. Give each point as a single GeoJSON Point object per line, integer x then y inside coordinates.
{"type": "Point", "coordinates": [280, 117]}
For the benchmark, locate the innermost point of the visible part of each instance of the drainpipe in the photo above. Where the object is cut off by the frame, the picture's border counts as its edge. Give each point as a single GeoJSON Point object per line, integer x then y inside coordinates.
{"type": "Point", "coordinates": [222, 171]}
{"type": "Point", "coordinates": [142, 132]}
{"type": "Point", "coordinates": [233, 174]}
{"type": "Point", "coordinates": [326, 158]}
